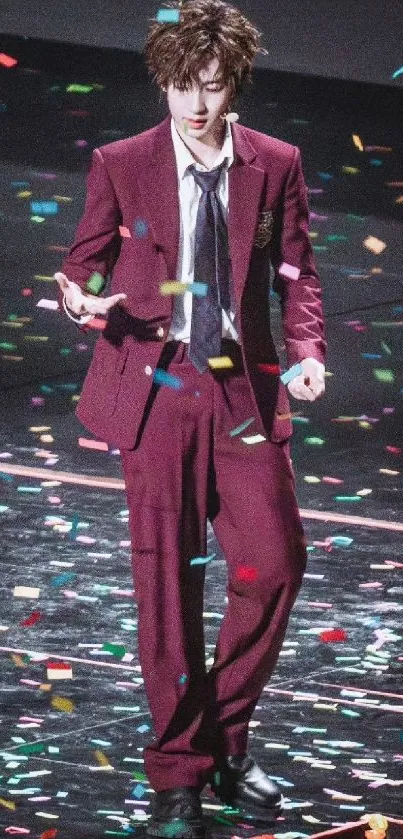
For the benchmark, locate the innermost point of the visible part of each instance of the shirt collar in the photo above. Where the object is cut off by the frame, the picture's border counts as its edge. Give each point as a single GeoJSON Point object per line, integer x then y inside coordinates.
{"type": "Point", "coordinates": [184, 158]}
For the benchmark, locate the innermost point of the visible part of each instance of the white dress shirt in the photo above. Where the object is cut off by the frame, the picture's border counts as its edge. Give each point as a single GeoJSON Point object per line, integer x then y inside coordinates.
{"type": "Point", "coordinates": [189, 195]}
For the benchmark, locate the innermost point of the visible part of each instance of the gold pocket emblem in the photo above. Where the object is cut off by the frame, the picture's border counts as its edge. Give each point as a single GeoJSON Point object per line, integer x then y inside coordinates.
{"type": "Point", "coordinates": [264, 229]}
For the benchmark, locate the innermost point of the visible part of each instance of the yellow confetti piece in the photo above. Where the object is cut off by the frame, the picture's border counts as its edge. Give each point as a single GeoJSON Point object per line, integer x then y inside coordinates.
{"type": "Point", "coordinates": [44, 278]}
{"type": "Point", "coordinates": [389, 472]}
{"type": "Point", "coordinates": [13, 357]}
{"type": "Point", "coordinates": [39, 428]}
{"type": "Point", "coordinates": [46, 438]}
{"type": "Point", "coordinates": [26, 591]}
{"type": "Point", "coordinates": [25, 193]}
{"type": "Point", "coordinates": [374, 245]}
{"type": "Point", "coordinates": [102, 758]}
{"type": "Point", "coordinates": [36, 338]}
{"type": "Point", "coordinates": [10, 805]}
{"type": "Point", "coordinates": [173, 288]}
{"type": "Point", "coordinates": [378, 822]}
{"type": "Point", "coordinates": [62, 704]}
{"type": "Point", "coordinates": [350, 170]}
{"type": "Point", "coordinates": [220, 361]}
{"type": "Point", "coordinates": [17, 660]}
{"type": "Point", "coordinates": [357, 142]}
{"type": "Point", "coordinates": [311, 479]}
{"type": "Point", "coordinates": [62, 198]}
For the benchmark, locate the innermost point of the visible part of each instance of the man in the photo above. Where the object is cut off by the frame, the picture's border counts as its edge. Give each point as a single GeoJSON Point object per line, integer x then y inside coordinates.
{"type": "Point", "coordinates": [187, 385]}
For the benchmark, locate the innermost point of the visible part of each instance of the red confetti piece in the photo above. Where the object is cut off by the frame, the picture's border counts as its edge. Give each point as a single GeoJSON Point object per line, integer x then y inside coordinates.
{"type": "Point", "coordinates": [7, 60]}
{"type": "Point", "coordinates": [274, 369]}
{"type": "Point", "coordinates": [246, 573]}
{"type": "Point", "coordinates": [58, 665]}
{"type": "Point", "coordinates": [393, 449]}
{"type": "Point", "coordinates": [49, 834]}
{"type": "Point", "coordinates": [33, 618]}
{"type": "Point", "coordinates": [329, 635]}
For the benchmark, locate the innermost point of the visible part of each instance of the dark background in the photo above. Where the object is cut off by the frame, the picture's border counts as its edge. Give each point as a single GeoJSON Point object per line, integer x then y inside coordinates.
{"type": "Point", "coordinates": [348, 40]}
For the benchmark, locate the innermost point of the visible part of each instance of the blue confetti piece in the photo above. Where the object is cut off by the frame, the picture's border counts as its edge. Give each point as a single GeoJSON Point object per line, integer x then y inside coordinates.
{"type": "Point", "coordinates": [140, 228]}
{"type": "Point", "coordinates": [199, 289]}
{"type": "Point", "coordinates": [74, 527]}
{"type": "Point", "coordinates": [5, 477]}
{"type": "Point", "coordinates": [138, 791]}
{"type": "Point", "coordinates": [44, 208]}
{"type": "Point", "coordinates": [202, 560]}
{"type": "Point", "coordinates": [61, 579]}
{"type": "Point", "coordinates": [341, 541]}
{"type": "Point", "coordinates": [183, 679]}
{"type": "Point", "coordinates": [290, 374]}
{"type": "Point", "coordinates": [163, 378]}
{"type": "Point", "coordinates": [143, 728]}
{"type": "Point", "coordinates": [168, 15]}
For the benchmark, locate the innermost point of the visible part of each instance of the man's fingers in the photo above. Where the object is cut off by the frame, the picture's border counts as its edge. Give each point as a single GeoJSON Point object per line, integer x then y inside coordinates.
{"type": "Point", "coordinates": [115, 298]}
{"type": "Point", "coordinates": [299, 390]}
{"type": "Point", "coordinates": [305, 388]}
{"type": "Point", "coordinates": [62, 280]}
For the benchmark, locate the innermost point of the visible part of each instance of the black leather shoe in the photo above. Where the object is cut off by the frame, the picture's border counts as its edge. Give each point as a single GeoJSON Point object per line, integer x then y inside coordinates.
{"type": "Point", "coordinates": [177, 814]}
{"type": "Point", "coordinates": [241, 783]}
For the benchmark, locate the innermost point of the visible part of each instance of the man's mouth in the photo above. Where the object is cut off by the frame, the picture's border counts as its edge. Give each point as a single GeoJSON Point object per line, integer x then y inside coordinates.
{"type": "Point", "coordinates": [196, 123]}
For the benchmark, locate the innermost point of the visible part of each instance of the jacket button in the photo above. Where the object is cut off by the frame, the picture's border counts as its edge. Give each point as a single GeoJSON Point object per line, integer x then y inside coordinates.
{"type": "Point", "coordinates": [160, 332]}
{"type": "Point", "coordinates": [148, 370]}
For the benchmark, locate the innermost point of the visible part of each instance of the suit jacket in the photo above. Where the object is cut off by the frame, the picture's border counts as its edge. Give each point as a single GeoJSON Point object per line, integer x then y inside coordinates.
{"type": "Point", "coordinates": [132, 183]}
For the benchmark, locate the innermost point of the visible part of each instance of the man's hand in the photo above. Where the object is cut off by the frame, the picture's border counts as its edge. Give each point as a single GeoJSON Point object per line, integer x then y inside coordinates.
{"type": "Point", "coordinates": [310, 384]}
{"type": "Point", "coordinates": [85, 304]}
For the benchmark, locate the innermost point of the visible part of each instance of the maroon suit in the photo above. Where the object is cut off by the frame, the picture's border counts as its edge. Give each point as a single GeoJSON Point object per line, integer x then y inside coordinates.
{"type": "Point", "coordinates": [180, 462]}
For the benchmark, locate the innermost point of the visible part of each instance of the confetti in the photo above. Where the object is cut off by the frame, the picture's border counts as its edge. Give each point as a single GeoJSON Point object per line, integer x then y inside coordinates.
{"type": "Point", "coordinates": [168, 15]}
{"type": "Point", "coordinates": [289, 375]}
{"type": "Point", "coordinates": [220, 362]}
{"type": "Point", "coordinates": [26, 591]}
{"type": "Point", "coordinates": [161, 377]}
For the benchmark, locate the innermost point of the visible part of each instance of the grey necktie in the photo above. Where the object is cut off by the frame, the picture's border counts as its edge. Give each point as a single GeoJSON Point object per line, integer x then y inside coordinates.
{"type": "Point", "coordinates": [211, 266]}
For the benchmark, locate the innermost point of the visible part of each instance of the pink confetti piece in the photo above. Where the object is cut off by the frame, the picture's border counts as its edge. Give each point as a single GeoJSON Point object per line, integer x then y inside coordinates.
{"type": "Point", "coordinates": [92, 444]}
{"type": "Point", "coordinates": [290, 271]}
{"type": "Point", "coordinates": [125, 232]}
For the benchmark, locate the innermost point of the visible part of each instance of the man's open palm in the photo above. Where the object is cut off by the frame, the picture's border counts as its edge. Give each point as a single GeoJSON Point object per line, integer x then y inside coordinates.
{"type": "Point", "coordinates": [85, 304]}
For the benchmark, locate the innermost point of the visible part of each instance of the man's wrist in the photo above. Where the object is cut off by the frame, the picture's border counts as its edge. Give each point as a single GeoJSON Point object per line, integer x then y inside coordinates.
{"type": "Point", "coordinates": [81, 319]}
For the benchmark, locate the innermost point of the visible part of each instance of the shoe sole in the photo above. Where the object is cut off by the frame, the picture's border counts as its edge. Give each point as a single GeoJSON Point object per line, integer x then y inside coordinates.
{"type": "Point", "coordinates": [262, 813]}
{"type": "Point", "coordinates": [176, 829]}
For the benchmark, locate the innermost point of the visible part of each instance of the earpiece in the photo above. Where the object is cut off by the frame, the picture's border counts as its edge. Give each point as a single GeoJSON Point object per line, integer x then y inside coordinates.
{"type": "Point", "coordinates": [231, 117]}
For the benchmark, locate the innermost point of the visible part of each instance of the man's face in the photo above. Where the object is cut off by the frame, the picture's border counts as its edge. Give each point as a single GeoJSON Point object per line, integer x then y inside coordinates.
{"type": "Point", "coordinates": [197, 111]}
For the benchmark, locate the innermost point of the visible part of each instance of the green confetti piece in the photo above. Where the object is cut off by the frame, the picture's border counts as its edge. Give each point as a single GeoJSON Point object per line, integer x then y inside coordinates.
{"type": "Point", "coordinates": [348, 713]}
{"type": "Point", "coordinates": [386, 348]}
{"type": "Point", "coordinates": [241, 428]}
{"type": "Point", "coordinates": [314, 441]}
{"type": "Point", "coordinates": [96, 283]}
{"type": "Point", "coordinates": [384, 375]}
{"type": "Point", "coordinates": [79, 88]}
{"type": "Point", "coordinates": [116, 649]}
{"type": "Point", "coordinates": [31, 748]}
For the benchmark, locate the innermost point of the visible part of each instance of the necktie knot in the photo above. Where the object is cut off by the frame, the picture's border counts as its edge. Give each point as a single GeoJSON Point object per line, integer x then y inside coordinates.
{"type": "Point", "coordinates": [207, 181]}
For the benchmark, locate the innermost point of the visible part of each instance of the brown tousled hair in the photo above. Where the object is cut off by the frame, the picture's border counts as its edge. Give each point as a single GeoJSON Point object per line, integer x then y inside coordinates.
{"type": "Point", "coordinates": [176, 52]}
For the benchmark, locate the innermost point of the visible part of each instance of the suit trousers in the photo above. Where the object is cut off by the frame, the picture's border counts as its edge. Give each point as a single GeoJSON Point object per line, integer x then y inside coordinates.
{"type": "Point", "coordinates": [187, 468]}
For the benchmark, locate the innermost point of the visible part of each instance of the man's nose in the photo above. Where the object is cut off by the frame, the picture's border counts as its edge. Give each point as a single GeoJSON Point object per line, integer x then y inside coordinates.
{"type": "Point", "coordinates": [197, 102]}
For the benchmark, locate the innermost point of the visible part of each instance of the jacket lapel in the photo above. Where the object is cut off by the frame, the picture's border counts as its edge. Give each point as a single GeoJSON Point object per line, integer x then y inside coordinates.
{"type": "Point", "coordinates": [159, 187]}
{"type": "Point", "coordinates": [245, 185]}
{"type": "Point", "coordinates": [158, 183]}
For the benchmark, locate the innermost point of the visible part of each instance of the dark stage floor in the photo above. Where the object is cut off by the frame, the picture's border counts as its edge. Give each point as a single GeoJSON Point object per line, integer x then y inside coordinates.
{"type": "Point", "coordinates": [329, 726]}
